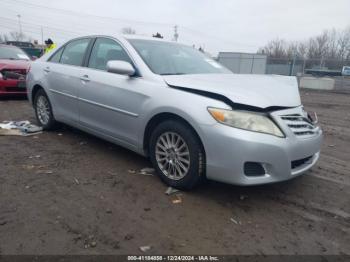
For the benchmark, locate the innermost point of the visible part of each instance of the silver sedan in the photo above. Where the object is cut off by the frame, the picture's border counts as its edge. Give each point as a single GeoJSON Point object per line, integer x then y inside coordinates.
{"type": "Point", "coordinates": [191, 116]}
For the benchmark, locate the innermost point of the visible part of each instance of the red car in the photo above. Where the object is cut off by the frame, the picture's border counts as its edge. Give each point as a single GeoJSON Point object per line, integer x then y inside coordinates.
{"type": "Point", "coordinates": [14, 65]}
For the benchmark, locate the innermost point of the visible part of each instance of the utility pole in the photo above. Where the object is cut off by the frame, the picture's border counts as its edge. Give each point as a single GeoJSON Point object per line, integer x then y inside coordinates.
{"type": "Point", "coordinates": [176, 34]}
{"type": "Point", "coordinates": [20, 25]}
{"type": "Point", "coordinates": [42, 35]}
{"type": "Point", "coordinates": [293, 62]}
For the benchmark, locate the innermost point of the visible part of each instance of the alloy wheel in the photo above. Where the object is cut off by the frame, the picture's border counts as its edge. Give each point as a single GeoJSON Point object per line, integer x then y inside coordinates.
{"type": "Point", "coordinates": [172, 155]}
{"type": "Point", "coordinates": [43, 110]}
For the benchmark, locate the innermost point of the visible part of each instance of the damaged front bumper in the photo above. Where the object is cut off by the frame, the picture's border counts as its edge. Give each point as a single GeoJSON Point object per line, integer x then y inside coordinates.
{"type": "Point", "coordinates": [243, 157]}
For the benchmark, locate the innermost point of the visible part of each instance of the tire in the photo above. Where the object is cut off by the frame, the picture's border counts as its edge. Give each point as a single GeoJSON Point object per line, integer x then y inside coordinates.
{"type": "Point", "coordinates": [43, 111]}
{"type": "Point", "coordinates": [169, 161]}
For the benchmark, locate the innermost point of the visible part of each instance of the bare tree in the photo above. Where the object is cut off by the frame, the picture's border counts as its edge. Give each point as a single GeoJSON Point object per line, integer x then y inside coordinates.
{"type": "Point", "coordinates": [330, 44]}
{"type": "Point", "coordinates": [17, 36]}
{"type": "Point", "coordinates": [128, 31]}
{"type": "Point", "coordinates": [318, 46]}
{"type": "Point", "coordinates": [292, 49]}
{"type": "Point", "coordinates": [302, 50]}
{"type": "Point", "coordinates": [344, 44]}
{"type": "Point", "coordinates": [275, 49]}
{"type": "Point", "coordinates": [4, 38]}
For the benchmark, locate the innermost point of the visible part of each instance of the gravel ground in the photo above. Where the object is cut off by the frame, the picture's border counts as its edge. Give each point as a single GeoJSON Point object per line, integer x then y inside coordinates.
{"type": "Point", "coordinates": [67, 192]}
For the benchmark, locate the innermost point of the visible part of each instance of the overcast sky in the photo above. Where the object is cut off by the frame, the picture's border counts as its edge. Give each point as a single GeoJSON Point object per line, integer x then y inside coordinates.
{"type": "Point", "coordinates": [220, 25]}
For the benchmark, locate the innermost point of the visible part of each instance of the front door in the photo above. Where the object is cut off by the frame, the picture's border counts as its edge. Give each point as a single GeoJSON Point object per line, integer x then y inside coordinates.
{"type": "Point", "coordinates": [110, 103]}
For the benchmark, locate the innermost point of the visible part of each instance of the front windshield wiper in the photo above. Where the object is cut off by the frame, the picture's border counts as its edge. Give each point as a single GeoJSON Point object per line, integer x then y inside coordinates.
{"type": "Point", "coordinates": [170, 74]}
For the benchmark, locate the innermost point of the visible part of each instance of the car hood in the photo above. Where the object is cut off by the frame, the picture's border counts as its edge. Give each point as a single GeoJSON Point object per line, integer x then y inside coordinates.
{"type": "Point", "coordinates": [14, 64]}
{"type": "Point", "coordinates": [262, 91]}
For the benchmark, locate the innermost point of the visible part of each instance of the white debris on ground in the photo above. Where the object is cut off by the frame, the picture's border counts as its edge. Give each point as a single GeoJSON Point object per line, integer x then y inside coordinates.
{"type": "Point", "coordinates": [18, 128]}
{"type": "Point", "coordinates": [177, 199]}
{"type": "Point", "coordinates": [147, 171]}
{"type": "Point", "coordinates": [171, 190]}
{"type": "Point", "coordinates": [145, 248]}
{"type": "Point", "coordinates": [235, 221]}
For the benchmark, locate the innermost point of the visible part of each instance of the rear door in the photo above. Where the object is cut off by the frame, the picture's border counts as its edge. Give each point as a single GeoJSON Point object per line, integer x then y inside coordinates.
{"type": "Point", "coordinates": [110, 103]}
{"type": "Point", "coordinates": [64, 72]}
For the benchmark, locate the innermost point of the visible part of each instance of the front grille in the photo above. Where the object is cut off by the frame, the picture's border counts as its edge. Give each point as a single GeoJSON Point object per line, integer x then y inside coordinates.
{"type": "Point", "coordinates": [300, 125]}
{"type": "Point", "coordinates": [300, 162]}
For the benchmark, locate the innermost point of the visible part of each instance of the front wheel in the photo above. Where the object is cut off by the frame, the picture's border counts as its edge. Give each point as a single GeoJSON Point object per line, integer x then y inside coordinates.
{"type": "Point", "coordinates": [43, 111]}
{"type": "Point", "coordinates": [177, 155]}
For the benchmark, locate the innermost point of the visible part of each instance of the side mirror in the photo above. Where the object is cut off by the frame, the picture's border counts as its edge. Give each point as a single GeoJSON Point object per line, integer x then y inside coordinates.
{"type": "Point", "coordinates": [120, 67]}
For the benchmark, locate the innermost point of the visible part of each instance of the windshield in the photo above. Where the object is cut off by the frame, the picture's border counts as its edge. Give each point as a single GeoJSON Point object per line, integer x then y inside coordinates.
{"type": "Point", "coordinates": [166, 58]}
{"type": "Point", "coordinates": [13, 53]}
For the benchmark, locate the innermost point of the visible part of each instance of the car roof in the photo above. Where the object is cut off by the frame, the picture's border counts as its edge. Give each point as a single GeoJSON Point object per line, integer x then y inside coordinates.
{"type": "Point", "coordinates": [11, 46]}
{"type": "Point", "coordinates": [20, 43]}
{"type": "Point", "coordinates": [141, 37]}
{"type": "Point", "coordinates": [126, 37]}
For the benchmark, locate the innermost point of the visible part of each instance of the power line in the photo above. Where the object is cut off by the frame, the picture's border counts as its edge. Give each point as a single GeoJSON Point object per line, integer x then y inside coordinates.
{"type": "Point", "coordinates": [75, 13]}
{"type": "Point", "coordinates": [9, 20]}
{"type": "Point", "coordinates": [30, 29]}
{"type": "Point", "coordinates": [13, 28]}
{"type": "Point", "coordinates": [48, 22]}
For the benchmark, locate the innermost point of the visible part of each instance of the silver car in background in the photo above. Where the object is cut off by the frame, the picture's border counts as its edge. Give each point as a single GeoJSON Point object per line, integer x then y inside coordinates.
{"type": "Point", "coordinates": [192, 117]}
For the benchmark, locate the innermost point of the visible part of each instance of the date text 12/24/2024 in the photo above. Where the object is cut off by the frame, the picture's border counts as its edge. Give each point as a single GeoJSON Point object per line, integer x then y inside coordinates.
{"type": "Point", "coordinates": [173, 258]}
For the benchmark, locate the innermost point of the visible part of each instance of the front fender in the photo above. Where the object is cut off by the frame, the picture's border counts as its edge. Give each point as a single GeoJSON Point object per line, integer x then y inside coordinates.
{"type": "Point", "coordinates": [193, 110]}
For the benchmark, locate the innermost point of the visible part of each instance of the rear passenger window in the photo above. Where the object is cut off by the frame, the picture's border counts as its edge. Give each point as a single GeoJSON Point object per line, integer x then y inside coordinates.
{"type": "Point", "coordinates": [56, 57]}
{"type": "Point", "coordinates": [74, 52]}
{"type": "Point", "coordinates": [105, 50]}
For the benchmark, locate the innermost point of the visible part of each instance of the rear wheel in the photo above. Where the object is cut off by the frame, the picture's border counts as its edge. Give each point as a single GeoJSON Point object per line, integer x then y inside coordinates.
{"type": "Point", "coordinates": [43, 111]}
{"type": "Point", "coordinates": [177, 154]}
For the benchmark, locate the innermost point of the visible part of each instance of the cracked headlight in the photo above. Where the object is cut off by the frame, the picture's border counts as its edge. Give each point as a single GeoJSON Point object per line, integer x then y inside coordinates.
{"type": "Point", "coordinates": [246, 120]}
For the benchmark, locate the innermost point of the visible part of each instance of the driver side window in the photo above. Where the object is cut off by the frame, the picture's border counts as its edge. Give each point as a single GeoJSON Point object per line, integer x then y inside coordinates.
{"type": "Point", "coordinates": [105, 50]}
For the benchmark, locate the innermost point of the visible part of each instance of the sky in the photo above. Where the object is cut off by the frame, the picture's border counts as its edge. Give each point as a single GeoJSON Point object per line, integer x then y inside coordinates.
{"type": "Point", "coordinates": [215, 25]}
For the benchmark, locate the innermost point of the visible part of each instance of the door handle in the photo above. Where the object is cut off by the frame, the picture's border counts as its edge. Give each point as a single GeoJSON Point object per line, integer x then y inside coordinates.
{"type": "Point", "coordinates": [85, 78]}
{"type": "Point", "coordinates": [47, 69]}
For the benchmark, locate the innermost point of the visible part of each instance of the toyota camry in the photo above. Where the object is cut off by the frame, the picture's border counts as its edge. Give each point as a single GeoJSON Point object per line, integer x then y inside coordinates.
{"type": "Point", "coordinates": [190, 115]}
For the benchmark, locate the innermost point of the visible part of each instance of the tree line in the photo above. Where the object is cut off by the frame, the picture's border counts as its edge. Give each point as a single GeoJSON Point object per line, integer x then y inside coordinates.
{"type": "Point", "coordinates": [330, 44]}
{"type": "Point", "coordinates": [14, 36]}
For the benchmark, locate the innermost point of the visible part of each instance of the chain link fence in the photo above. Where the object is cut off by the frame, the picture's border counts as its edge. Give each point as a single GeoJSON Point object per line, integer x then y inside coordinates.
{"type": "Point", "coordinates": [298, 66]}
{"type": "Point", "coordinates": [311, 67]}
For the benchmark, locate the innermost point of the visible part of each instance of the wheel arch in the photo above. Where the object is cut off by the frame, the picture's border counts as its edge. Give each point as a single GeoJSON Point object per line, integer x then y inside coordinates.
{"type": "Point", "coordinates": [161, 117]}
{"type": "Point", "coordinates": [35, 90]}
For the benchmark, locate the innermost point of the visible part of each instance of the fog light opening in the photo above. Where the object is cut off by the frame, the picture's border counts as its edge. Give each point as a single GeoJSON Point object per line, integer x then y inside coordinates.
{"type": "Point", "coordinates": [253, 169]}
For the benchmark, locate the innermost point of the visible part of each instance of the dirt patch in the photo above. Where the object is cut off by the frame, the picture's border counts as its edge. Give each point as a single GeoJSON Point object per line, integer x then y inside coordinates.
{"type": "Point", "coordinates": [67, 192]}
